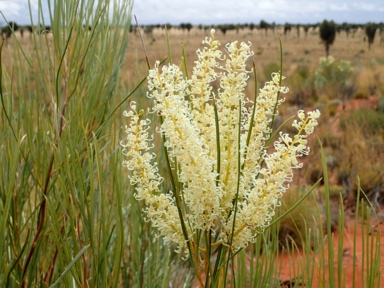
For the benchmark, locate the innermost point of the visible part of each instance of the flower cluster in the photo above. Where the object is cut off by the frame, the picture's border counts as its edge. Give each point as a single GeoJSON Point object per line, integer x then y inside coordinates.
{"type": "Point", "coordinates": [160, 207]}
{"type": "Point", "coordinates": [227, 182]}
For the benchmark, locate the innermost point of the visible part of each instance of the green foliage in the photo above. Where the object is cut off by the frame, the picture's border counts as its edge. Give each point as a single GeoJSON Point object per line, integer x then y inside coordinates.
{"type": "Point", "coordinates": [294, 226]}
{"type": "Point", "coordinates": [287, 28]}
{"type": "Point", "coordinates": [370, 121]}
{"type": "Point", "coordinates": [65, 204]}
{"type": "Point", "coordinates": [186, 26]}
{"type": "Point", "coordinates": [264, 25]}
{"type": "Point", "coordinates": [301, 87]}
{"type": "Point", "coordinates": [270, 68]}
{"type": "Point", "coordinates": [331, 77]}
{"type": "Point", "coordinates": [362, 155]}
{"type": "Point", "coordinates": [337, 191]}
{"type": "Point", "coordinates": [327, 34]}
{"type": "Point", "coordinates": [370, 31]}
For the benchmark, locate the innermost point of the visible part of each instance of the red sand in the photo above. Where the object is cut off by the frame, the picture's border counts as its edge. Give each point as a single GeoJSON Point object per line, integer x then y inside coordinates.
{"type": "Point", "coordinates": [347, 257]}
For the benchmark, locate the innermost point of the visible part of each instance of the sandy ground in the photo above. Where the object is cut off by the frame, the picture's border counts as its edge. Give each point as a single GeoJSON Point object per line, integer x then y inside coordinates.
{"type": "Point", "coordinates": [348, 264]}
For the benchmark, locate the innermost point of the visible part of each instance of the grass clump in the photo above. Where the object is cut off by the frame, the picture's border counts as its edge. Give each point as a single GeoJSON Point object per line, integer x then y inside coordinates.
{"type": "Point", "coordinates": [65, 217]}
{"type": "Point", "coordinates": [370, 121]}
{"type": "Point", "coordinates": [362, 154]}
{"type": "Point", "coordinates": [294, 227]}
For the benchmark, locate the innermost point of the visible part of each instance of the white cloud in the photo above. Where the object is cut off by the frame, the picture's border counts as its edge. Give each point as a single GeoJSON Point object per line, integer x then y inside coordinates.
{"type": "Point", "coordinates": [339, 7]}
{"type": "Point", "coordinates": [226, 11]}
{"type": "Point", "coordinates": [10, 9]}
{"type": "Point", "coordinates": [365, 6]}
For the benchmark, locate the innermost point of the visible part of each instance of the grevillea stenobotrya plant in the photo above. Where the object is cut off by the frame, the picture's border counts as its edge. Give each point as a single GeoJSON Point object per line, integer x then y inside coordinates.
{"type": "Point", "coordinates": [226, 180]}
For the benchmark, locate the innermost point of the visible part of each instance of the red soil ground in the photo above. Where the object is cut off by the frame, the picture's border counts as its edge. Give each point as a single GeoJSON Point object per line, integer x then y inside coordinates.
{"type": "Point", "coordinates": [347, 258]}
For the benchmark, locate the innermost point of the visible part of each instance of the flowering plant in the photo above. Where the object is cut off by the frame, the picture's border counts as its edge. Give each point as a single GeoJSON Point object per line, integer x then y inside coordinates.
{"type": "Point", "coordinates": [226, 182]}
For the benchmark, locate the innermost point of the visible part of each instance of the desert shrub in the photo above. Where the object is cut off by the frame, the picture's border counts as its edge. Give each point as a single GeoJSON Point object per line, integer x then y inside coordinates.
{"type": "Point", "coordinates": [270, 68]}
{"type": "Point", "coordinates": [372, 182]}
{"type": "Point", "coordinates": [362, 154]}
{"type": "Point", "coordinates": [315, 171]}
{"type": "Point", "coordinates": [332, 76]}
{"type": "Point", "coordinates": [337, 191]}
{"type": "Point", "coordinates": [302, 90]}
{"type": "Point", "coordinates": [329, 140]}
{"type": "Point", "coordinates": [370, 121]}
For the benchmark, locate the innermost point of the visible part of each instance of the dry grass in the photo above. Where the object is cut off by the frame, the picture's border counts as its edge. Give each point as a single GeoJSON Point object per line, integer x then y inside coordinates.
{"type": "Point", "coordinates": [297, 52]}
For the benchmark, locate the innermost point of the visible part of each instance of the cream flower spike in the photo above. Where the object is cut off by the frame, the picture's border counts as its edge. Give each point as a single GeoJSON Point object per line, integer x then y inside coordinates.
{"type": "Point", "coordinates": [226, 182]}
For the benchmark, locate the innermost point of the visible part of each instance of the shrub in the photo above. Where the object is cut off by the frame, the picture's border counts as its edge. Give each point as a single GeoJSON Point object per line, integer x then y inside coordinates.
{"type": "Point", "coordinates": [362, 153]}
{"type": "Point", "coordinates": [270, 68]}
{"type": "Point", "coordinates": [371, 122]}
{"type": "Point", "coordinates": [331, 77]}
{"type": "Point", "coordinates": [302, 91]}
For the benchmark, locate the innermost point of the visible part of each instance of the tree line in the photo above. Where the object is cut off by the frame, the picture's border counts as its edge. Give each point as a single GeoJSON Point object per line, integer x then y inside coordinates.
{"type": "Point", "coordinates": [327, 29]}
{"type": "Point", "coordinates": [12, 27]}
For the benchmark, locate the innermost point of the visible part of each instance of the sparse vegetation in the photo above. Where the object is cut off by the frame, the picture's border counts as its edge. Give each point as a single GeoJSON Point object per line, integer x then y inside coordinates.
{"type": "Point", "coordinates": [332, 78]}
{"type": "Point", "coordinates": [69, 217]}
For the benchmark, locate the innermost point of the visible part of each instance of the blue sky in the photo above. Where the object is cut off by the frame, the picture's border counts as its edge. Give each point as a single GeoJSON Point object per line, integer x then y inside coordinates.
{"type": "Point", "coordinates": [230, 11]}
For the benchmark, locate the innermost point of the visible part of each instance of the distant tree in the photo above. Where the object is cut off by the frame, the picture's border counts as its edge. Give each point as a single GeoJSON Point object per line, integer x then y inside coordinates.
{"type": "Point", "coordinates": [30, 29]}
{"type": "Point", "coordinates": [238, 27]}
{"type": "Point", "coordinates": [327, 34]}
{"type": "Point", "coordinates": [298, 30]}
{"type": "Point", "coordinates": [381, 29]}
{"type": "Point", "coordinates": [148, 29]}
{"type": "Point", "coordinates": [186, 26]}
{"type": "Point", "coordinates": [223, 28]}
{"type": "Point", "coordinates": [287, 28]}
{"type": "Point", "coordinates": [189, 26]}
{"type": "Point", "coordinates": [168, 25]}
{"type": "Point", "coordinates": [12, 27]}
{"type": "Point", "coordinates": [226, 27]}
{"type": "Point", "coordinates": [346, 27]}
{"type": "Point", "coordinates": [306, 28]}
{"type": "Point", "coordinates": [273, 26]}
{"type": "Point", "coordinates": [370, 31]}
{"type": "Point", "coordinates": [264, 25]}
